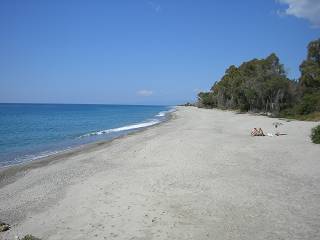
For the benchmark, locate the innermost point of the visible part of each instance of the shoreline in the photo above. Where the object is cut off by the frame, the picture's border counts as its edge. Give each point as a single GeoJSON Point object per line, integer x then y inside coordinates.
{"type": "Point", "coordinates": [198, 176]}
{"type": "Point", "coordinates": [39, 138]}
{"type": "Point", "coordinates": [8, 173]}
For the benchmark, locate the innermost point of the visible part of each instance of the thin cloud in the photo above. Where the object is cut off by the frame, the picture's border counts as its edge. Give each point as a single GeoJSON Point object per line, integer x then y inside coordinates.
{"type": "Point", "coordinates": [145, 93]}
{"type": "Point", "coordinates": [307, 9]}
{"type": "Point", "coordinates": [154, 6]}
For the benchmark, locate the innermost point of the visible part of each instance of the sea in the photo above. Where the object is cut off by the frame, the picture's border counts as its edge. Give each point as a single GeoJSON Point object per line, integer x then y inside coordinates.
{"type": "Point", "coordinates": [32, 131]}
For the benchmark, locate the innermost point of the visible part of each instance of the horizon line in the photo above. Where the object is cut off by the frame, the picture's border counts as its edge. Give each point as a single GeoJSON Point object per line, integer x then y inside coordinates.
{"type": "Point", "coordinates": [47, 103]}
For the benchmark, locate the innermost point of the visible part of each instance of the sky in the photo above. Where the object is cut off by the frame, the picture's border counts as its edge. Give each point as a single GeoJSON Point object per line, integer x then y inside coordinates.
{"type": "Point", "coordinates": [139, 51]}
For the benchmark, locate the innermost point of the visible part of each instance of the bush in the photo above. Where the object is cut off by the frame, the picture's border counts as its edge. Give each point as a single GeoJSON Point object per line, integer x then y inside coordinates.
{"type": "Point", "coordinates": [315, 135]}
{"type": "Point", "coordinates": [310, 103]}
{"type": "Point", "coordinates": [4, 227]}
{"type": "Point", "coordinates": [206, 99]}
{"type": "Point", "coordinates": [30, 237]}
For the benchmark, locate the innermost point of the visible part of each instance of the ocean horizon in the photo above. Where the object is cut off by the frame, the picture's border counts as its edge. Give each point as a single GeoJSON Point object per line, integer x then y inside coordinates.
{"type": "Point", "coordinates": [29, 131]}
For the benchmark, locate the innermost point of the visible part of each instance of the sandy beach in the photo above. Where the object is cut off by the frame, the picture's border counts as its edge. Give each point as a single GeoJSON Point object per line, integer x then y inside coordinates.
{"type": "Point", "coordinates": [198, 176]}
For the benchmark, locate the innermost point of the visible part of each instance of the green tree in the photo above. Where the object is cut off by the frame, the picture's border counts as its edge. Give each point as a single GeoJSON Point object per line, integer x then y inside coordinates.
{"type": "Point", "coordinates": [310, 68]}
{"type": "Point", "coordinates": [262, 85]}
{"type": "Point", "coordinates": [309, 83]}
{"type": "Point", "coordinates": [257, 85]}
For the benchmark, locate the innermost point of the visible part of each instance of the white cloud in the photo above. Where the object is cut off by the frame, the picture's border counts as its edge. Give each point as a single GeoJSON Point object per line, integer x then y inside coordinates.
{"type": "Point", "coordinates": [308, 9]}
{"type": "Point", "coordinates": [145, 93]}
{"type": "Point", "coordinates": [155, 6]}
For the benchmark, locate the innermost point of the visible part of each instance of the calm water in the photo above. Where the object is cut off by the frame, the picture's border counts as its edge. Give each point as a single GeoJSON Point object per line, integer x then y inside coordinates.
{"type": "Point", "coordinates": [30, 131]}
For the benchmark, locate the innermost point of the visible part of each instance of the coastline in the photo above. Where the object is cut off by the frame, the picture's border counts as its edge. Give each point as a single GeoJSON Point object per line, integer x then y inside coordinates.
{"type": "Point", "coordinates": [68, 126]}
{"type": "Point", "coordinates": [8, 173]}
{"type": "Point", "coordinates": [198, 176]}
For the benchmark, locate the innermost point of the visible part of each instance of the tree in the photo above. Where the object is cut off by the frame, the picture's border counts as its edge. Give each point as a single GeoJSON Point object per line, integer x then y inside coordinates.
{"type": "Point", "coordinates": [309, 83]}
{"type": "Point", "coordinates": [310, 68]}
{"type": "Point", "coordinates": [262, 85]}
{"type": "Point", "coordinates": [257, 85]}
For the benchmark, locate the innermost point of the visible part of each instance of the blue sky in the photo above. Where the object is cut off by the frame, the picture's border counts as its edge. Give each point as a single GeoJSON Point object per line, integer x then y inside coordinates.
{"type": "Point", "coordinates": [142, 52]}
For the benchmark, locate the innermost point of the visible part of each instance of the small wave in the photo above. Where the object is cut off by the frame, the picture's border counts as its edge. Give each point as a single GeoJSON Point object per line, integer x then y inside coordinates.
{"type": "Point", "coordinates": [161, 114]}
{"type": "Point", "coordinates": [31, 157]}
{"type": "Point", "coordinates": [164, 113]}
{"type": "Point", "coordinates": [121, 129]}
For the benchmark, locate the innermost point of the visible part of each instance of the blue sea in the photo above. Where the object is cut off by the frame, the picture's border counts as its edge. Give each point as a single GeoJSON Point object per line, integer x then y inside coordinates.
{"type": "Point", "coordinates": [32, 131]}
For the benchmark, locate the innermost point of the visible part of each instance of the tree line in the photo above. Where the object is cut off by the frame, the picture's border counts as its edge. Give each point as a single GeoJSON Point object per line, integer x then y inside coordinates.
{"type": "Point", "coordinates": [262, 85]}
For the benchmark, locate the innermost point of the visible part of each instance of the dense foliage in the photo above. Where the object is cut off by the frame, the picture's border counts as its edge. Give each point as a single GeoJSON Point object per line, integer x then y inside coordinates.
{"type": "Point", "coordinates": [315, 135]}
{"type": "Point", "coordinates": [261, 85]}
{"type": "Point", "coordinates": [309, 85]}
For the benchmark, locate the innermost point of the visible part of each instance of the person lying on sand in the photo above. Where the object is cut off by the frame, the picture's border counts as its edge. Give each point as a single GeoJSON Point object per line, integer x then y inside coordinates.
{"type": "Point", "coordinates": [254, 132]}
{"type": "Point", "coordinates": [257, 132]}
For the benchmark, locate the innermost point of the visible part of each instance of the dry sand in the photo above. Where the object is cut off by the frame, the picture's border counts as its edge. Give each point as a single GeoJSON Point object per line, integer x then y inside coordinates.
{"type": "Point", "coordinates": [198, 176]}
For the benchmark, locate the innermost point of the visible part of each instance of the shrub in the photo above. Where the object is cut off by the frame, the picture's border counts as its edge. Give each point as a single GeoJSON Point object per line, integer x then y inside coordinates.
{"type": "Point", "coordinates": [310, 103]}
{"type": "Point", "coordinates": [206, 99]}
{"type": "Point", "coordinates": [315, 134]}
{"type": "Point", "coordinates": [30, 237]}
{"type": "Point", "coordinates": [4, 227]}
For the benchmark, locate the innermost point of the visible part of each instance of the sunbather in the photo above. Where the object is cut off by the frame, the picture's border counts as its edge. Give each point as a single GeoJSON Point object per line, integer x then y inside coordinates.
{"type": "Point", "coordinates": [257, 132]}
{"type": "Point", "coordinates": [254, 132]}
{"type": "Point", "coordinates": [261, 133]}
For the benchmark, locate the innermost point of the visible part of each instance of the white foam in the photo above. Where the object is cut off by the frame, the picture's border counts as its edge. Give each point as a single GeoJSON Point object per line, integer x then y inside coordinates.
{"type": "Point", "coordinates": [164, 113]}
{"type": "Point", "coordinates": [124, 128]}
{"type": "Point", "coordinates": [133, 126]}
{"type": "Point", "coordinates": [161, 114]}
